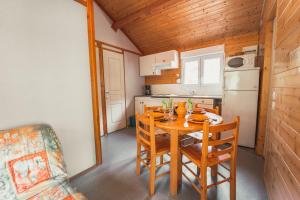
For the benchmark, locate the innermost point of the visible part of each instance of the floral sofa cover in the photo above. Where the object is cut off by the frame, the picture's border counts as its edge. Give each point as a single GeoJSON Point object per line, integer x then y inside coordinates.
{"type": "Point", "coordinates": [32, 165]}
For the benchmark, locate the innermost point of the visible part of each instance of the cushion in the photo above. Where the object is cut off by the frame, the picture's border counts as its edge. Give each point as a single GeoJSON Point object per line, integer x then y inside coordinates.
{"type": "Point", "coordinates": [30, 161]}
{"type": "Point", "coordinates": [61, 191]}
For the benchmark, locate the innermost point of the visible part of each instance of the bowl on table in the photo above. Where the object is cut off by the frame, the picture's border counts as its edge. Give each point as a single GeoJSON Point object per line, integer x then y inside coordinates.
{"type": "Point", "coordinates": [199, 111]}
{"type": "Point", "coordinates": [156, 115]}
{"type": "Point", "coordinates": [197, 118]}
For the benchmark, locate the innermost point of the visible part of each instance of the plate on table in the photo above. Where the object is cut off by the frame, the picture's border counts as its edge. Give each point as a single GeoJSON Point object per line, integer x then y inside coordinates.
{"type": "Point", "coordinates": [197, 118]}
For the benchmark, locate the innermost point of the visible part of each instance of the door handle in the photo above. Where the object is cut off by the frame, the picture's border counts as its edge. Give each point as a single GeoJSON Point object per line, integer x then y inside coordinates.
{"type": "Point", "coordinates": [107, 95]}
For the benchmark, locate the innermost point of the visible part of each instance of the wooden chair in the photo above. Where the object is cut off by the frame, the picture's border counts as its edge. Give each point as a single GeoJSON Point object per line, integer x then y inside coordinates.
{"type": "Point", "coordinates": [197, 136]}
{"type": "Point", "coordinates": [215, 110]}
{"type": "Point", "coordinates": [151, 108]}
{"type": "Point", "coordinates": [214, 152]}
{"type": "Point", "coordinates": [154, 108]}
{"type": "Point", "coordinates": [154, 145]}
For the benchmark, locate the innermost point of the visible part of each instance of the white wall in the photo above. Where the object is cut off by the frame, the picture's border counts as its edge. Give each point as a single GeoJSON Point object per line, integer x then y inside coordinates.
{"type": "Point", "coordinates": [44, 73]}
{"type": "Point", "coordinates": [182, 89]}
{"type": "Point", "coordinates": [134, 84]}
{"type": "Point", "coordinates": [105, 33]}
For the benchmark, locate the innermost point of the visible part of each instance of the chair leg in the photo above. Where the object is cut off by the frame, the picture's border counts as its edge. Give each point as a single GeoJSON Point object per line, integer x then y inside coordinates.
{"type": "Point", "coordinates": [138, 159]}
{"type": "Point", "coordinates": [161, 159]}
{"type": "Point", "coordinates": [152, 175]}
{"type": "Point", "coordinates": [198, 171]}
{"type": "Point", "coordinates": [232, 181]}
{"type": "Point", "coordinates": [148, 157]}
{"type": "Point", "coordinates": [214, 170]}
{"type": "Point", "coordinates": [203, 183]}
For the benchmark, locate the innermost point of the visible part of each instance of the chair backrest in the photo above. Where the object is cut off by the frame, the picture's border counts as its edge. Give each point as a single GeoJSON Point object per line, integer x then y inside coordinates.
{"type": "Point", "coordinates": [215, 110]}
{"type": "Point", "coordinates": [151, 108]}
{"type": "Point", "coordinates": [145, 133]}
{"type": "Point", "coordinates": [228, 144]}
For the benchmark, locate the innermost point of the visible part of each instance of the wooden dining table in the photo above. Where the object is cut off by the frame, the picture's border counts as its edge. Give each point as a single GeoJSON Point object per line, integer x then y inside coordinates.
{"type": "Point", "coordinates": [176, 129]}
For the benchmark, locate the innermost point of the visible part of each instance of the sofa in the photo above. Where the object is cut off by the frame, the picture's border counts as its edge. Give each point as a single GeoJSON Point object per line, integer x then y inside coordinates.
{"type": "Point", "coordinates": [32, 165]}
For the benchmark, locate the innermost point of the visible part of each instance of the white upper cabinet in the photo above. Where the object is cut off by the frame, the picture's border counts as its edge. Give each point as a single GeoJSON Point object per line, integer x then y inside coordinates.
{"type": "Point", "coordinates": [153, 64]}
{"type": "Point", "coordinates": [167, 58]}
{"type": "Point", "coordinates": [146, 65]}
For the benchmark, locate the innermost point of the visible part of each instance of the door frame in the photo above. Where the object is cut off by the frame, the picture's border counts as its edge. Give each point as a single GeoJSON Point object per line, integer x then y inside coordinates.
{"type": "Point", "coordinates": [102, 90]}
{"type": "Point", "coordinates": [93, 75]}
{"type": "Point", "coordinates": [105, 46]}
{"type": "Point", "coordinates": [92, 44]}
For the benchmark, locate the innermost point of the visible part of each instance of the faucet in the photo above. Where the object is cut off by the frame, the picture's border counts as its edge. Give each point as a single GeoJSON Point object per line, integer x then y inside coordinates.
{"type": "Point", "coordinates": [193, 92]}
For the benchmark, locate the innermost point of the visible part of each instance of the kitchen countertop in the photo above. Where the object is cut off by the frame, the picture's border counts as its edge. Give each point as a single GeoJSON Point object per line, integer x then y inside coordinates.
{"type": "Point", "coordinates": [180, 96]}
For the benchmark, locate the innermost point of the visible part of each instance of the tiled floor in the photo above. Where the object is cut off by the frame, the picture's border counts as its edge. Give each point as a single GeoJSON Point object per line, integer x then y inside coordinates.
{"type": "Point", "coordinates": [116, 178]}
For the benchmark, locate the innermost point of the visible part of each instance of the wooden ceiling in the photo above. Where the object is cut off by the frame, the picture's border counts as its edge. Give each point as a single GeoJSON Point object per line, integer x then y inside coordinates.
{"type": "Point", "coordinates": [160, 25]}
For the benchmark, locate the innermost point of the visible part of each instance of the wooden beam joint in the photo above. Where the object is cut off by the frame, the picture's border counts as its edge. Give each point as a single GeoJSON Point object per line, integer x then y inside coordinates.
{"type": "Point", "coordinates": [83, 2]}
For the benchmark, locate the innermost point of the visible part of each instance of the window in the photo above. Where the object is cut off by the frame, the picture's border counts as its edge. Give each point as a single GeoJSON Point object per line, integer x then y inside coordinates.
{"type": "Point", "coordinates": [211, 70]}
{"type": "Point", "coordinates": [191, 72]}
{"type": "Point", "coordinates": [204, 70]}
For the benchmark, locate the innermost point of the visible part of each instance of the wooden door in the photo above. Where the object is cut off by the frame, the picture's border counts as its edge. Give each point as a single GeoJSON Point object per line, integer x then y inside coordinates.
{"type": "Point", "coordinates": [114, 90]}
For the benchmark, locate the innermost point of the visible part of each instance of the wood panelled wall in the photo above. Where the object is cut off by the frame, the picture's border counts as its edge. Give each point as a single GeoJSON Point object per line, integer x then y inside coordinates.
{"type": "Point", "coordinates": [265, 60]}
{"type": "Point", "coordinates": [233, 46]}
{"type": "Point", "coordinates": [282, 148]}
{"type": "Point", "coordinates": [169, 76]}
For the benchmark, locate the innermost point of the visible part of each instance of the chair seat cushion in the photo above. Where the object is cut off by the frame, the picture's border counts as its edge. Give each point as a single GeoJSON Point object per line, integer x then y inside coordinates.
{"type": "Point", "coordinates": [162, 144]}
{"type": "Point", "coordinates": [194, 151]}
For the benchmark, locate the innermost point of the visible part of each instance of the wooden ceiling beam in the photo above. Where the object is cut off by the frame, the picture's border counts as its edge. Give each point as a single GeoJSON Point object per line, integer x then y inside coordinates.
{"type": "Point", "coordinates": [151, 9]}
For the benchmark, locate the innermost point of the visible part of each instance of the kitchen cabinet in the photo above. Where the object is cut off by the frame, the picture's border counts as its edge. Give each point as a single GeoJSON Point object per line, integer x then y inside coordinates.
{"type": "Point", "coordinates": [146, 65]}
{"type": "Point", "coordinates": [139, 107]}
{"type": "Point", "coordinates": [153, 64]}
{"type": "Point", "coordinates": [167, 57]}
{"type": "Point", "coordinates": [140, 102]}
{"type": "Point", "coordinates": [204, 103]}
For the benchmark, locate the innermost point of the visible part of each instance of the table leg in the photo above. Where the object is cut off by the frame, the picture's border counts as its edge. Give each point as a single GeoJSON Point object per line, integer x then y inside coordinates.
{"type": "Point", "coordinates": [174, 163]}
{"type": "Point", "coordinates": [179, 163]}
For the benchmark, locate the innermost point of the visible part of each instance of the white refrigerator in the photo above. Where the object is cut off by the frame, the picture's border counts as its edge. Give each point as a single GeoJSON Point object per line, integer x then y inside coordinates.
{"type": "Point", "coordinates": [240, 99]}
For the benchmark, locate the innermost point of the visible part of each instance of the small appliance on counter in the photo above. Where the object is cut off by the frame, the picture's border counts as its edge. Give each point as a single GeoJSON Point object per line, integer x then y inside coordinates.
{"type": "Point", "coordinates": [147, 90]}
